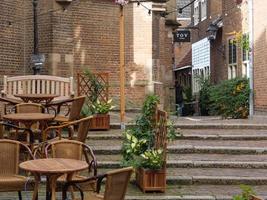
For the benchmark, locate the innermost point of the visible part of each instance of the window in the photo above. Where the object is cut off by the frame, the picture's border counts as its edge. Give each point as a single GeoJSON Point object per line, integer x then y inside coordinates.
{"type": "Point", "coordinates": [196, 12]}
{"type": "Point", "coordinates": [203, 9]}
{"type": "Point", "coordinates": [245, 57]}
{"type": "Point", "coordinates": [232, 59]}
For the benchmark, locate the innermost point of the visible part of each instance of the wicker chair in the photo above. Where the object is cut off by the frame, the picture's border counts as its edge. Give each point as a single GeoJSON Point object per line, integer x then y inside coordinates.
{"type": "Point", "coordinates": [83, 128]}
{"type": "Point", "coordinates": [115, 185]}
{"type": "Point", "coordinates": [74, 111]}
{"type": "Point", "coordinates": [56, 131]}
{"type": "Point", "coordinates": [30, 108]}
{"type": "Point", "coordinates": [74, 150]}
{"type": "Point", "coordinates": [253, 197]}
{"type": "Point", "coordinates": [10, 180]}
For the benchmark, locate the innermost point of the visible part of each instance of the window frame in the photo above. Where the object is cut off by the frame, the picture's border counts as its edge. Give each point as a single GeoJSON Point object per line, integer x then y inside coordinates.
{"type": "Point", "coordinates": [196, 16]}
{"type": "Point", "coordinates": [202, 18]}
{"type": "Point", "coordinates": [232, 66]}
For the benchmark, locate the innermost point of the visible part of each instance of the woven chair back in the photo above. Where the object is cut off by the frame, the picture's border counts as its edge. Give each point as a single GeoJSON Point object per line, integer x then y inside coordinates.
{"type": "Point", "coordinates": [161, 132]}
{"type": "Point", "coordinates": [83, 129]}
{"type": "Point", "coordinates": [9, 157]}
{"type": "Point", "coordinates": [67, 149]}
{"type": "Point", "coordinates": [116, 184]}
{"type": "Point", "coordinates": [29, 108]}
{"type": "Point", "coordinates": [76, 108]}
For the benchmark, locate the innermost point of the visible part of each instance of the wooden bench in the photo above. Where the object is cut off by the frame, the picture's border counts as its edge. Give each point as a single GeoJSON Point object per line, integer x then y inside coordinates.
{"type": "Point", "coordinates": [38, 84]}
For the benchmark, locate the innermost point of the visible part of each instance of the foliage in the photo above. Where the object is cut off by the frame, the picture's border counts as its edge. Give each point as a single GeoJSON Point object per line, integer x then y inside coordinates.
{"type": "Point", "coordinates": [138, 142]}
{"type": "Point", "coordinates": [230, 98]}
{"type": "Point", "coordinates": [152, 159]}
{"type": "Point", "coordinates": [102, 107]}
{"type": "Point", "coordinates": [96, 86]}
{"type": "Point", "coordinates": [242, 40]}
{"type": "Point", "coordinates": [204, 96]}
{"type": "Point", "coordinates": [246, 192]}
{"type": "Point", "coordinates": [188, 108]}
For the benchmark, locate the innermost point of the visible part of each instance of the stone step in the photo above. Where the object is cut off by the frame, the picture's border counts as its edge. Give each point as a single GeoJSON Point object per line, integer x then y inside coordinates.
{"type": "Point", "coordinates": [191, 143]}
{"type": "Point", "coordinates": [107, 150]}
{"type": "Point", "coordinates": [196, 164]}
{"type": "Point", "coordinates": [193, 192]}
{"type": "Point", "coordinates": [196, 157]}
{"type": "Point", "coordinates": [224, 176]}
{"type": "Point", "coordinates": [206, 125]}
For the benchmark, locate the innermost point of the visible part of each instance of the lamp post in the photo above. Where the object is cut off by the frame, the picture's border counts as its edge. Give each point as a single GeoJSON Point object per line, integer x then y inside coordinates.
{"type": "Point", "coordinates": [37, 59]}
{"type": "Point", "coordinates": [122, 62]}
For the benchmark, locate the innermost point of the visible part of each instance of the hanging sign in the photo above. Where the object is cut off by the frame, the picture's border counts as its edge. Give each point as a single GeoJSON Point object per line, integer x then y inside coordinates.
{"type": "Point", "coordinates": [181, 36]}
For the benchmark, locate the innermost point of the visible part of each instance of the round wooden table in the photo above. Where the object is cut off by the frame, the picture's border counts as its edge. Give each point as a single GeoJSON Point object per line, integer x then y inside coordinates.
{"type": "Point", "coordinates": [53, 168]}
{"type": "Point", "coordinates": [28, 119]}
{"type": "Point", "coordinates": [37, 98]}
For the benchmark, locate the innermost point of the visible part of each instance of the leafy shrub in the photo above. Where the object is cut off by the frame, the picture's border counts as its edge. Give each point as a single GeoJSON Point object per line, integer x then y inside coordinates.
{"type": "Point", "coordinates": [138, 142]}
{"type": "Point", "coordinates": [246, 192]}
{"type": "Point", "coordinates": [204, 96]}
{"type": "Point", "coordinates": [230, 98]}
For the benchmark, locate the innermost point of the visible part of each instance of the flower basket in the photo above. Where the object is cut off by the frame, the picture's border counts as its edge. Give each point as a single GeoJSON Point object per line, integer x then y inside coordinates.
{"type": "Point", "coordinates": [151, 180]}
{"type": "Point", "coordinates": [100, 122]}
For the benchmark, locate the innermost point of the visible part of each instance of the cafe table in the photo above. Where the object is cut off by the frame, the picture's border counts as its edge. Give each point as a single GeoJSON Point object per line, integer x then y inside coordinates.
{"type": "Point", "coordinates": [37, 98]}
{"type": "Point", "coordinates": [28, 119]}
{"type": "Point", "coordinates": [52, 168]}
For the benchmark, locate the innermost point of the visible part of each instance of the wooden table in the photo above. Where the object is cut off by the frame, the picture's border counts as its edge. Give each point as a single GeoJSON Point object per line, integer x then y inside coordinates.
{"type": "Point", "coordinates": [37, 98]}
{"type": "Point", "coordinates": [53, 168]}
{"type": "Point", "coordinates": [28, 119]}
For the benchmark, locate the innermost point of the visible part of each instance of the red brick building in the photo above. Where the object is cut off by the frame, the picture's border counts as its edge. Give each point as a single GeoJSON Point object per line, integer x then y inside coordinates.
{"type": "Point", "coordinates": [214, 54]}
{"type": "Point", "coordinates": [86, 35]}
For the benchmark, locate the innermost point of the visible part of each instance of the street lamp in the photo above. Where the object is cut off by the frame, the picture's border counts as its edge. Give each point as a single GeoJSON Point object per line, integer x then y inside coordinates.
{"type": "Point", "coordinates": [122, 62]}
{"type": "Point", "coordinates": [37, 59]}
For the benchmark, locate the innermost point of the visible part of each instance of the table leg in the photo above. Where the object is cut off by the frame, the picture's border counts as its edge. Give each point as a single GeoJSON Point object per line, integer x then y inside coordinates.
{"type": "Point", "coordinates": [53, 184]}
{"type": "Point", "coordinates": [36, 186]}
{"type": "Point", "coordinates": [69, 178]}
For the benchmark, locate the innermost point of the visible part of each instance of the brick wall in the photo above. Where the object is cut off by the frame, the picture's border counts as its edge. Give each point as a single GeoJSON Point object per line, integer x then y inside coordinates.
{"type": "Point", "coordinates": [86, 35]}
{"type": "Point", "coordinates": [260, 55]}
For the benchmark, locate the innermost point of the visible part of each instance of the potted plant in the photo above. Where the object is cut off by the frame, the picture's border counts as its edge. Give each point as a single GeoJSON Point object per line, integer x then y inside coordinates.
{"type": "Point", "coordinates": [99, 110]}
{"type": "Point", "coordinates": [139, 151]}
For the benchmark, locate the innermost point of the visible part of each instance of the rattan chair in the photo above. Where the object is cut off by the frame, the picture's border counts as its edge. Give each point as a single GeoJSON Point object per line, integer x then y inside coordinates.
{"type": "Point", "coordinates": [115, 186]}
{"type": "Point", "coordinates": [74, 111]}
{"type": "Point", "coordinates": [10, 180]}
{"type": "Point", "coordinates": [30, 108]}
{"type": "Point", "coordinates": [83, 128]}
{"type": "Point", "coordinates": [73, 149]}
{"type": "Point", "coordinates": [253, 197]}
{"type": "Point", "coordinates": [54, 133]}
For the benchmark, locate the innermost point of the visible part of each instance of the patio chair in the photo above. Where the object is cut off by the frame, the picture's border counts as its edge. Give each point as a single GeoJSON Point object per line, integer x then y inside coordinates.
{"type": "Point", "coordinates": [73, 149]}
{"type": "Point", "coordinates": [30, 108]}
{"type": "Point", "coordinates": [253, 197]}
{"type": "Point", "coordinates": [10, 180]}
{"type": "Point", "coordinates": [115, 185]}
{"type": "Point", "coordinates": [74, 110]}
{"type": "Point", "coordinates": [56, 131]}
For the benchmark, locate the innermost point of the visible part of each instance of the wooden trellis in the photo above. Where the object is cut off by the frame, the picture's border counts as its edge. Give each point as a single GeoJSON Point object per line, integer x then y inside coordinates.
{"type": "Point", "coordinates": [85, 86]}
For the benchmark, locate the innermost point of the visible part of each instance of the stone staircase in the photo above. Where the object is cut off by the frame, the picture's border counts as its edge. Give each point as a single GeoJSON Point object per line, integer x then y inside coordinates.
{"type": "Point", "coordinates": [208, 162]}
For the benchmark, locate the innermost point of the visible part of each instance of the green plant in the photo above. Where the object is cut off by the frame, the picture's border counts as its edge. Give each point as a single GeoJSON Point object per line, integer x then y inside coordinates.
{"type": "Point", "coordinates": [230, 98]}
{"type": "Point", "coordinates": [96, 87]}
{"type": "Point", "coordinates": [152, 159]}
{"type": "Point", "coordinates": [102, 107]}
{"type": "Point", "coordinates": [138, 142]}
{"type": "Point", "coordinates": [246, 192]}
{"type": "Point", "coordinates": [204, 95]}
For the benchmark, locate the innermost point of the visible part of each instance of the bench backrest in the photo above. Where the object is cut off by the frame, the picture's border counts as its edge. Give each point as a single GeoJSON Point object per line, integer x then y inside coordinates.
{"type": "Point", "coordinates": [38, 84]}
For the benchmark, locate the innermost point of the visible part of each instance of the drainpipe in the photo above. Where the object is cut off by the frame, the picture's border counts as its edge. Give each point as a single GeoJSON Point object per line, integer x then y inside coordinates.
{"type": "Point", "coordinates": [251, 58]}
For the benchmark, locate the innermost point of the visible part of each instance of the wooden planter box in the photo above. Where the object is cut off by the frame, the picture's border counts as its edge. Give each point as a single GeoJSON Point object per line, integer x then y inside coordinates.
{"type": "Point", "coordinates": [100, 122]}
{"type": "Point", "coordinates": [151, 180]}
